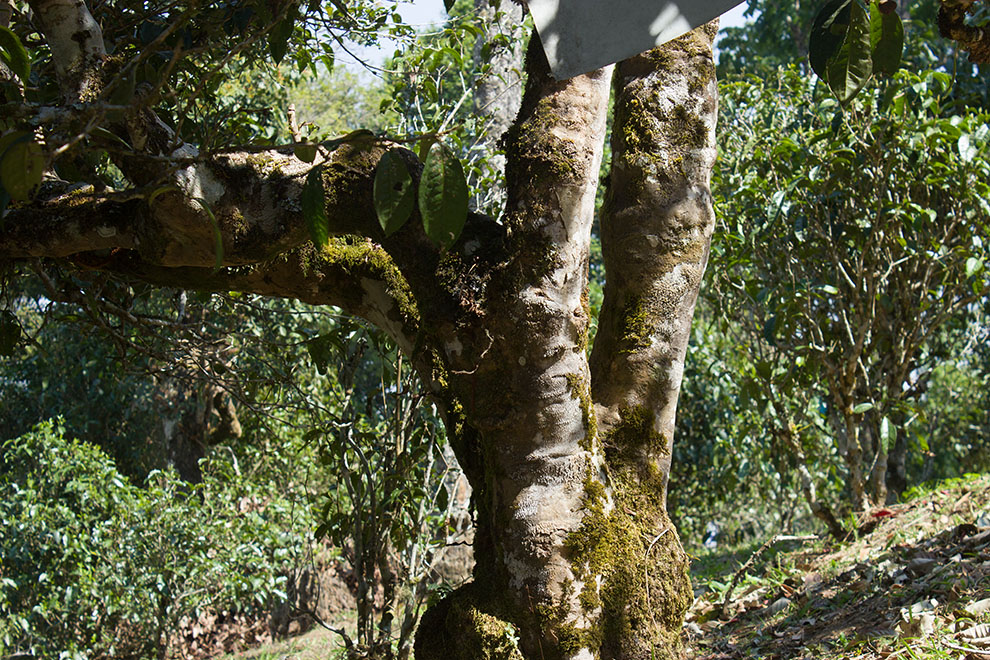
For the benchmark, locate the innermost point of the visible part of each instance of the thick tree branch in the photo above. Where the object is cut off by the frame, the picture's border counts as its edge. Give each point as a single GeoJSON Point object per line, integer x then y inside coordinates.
{"type": "Point", "coordinates": [350, 273]}
{"type": "Point", "coordinates": [656, 229]}
{"type": "Point", "coordinates": [76, 42]}
{"type": "Point", "coordinates": [252, 203]}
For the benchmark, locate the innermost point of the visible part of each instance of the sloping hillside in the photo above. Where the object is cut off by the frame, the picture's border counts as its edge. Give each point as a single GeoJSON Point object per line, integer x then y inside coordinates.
{"type": "Point", "coordinates": [912, 582]}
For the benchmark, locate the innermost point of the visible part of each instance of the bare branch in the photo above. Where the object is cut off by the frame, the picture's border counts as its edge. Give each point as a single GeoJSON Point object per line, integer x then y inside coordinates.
{"type": "Point", "coordinates": [76, 41]}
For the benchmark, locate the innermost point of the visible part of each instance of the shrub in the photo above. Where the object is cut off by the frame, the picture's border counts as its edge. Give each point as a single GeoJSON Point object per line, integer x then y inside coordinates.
{"type": "Point", "coordinates": [93, 565]}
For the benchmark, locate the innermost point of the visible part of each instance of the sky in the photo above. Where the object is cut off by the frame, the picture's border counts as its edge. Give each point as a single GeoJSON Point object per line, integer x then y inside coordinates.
{"type": "Point", "coordinates": [422, 14]}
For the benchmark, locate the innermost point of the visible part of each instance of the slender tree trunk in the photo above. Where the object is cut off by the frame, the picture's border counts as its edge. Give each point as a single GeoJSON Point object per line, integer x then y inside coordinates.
{"type": "Point", "coordinates": [878, 473]}
{"type": "Point", "coordinates": [819, 509]}
{"type": "Point", "coordinates": [897, 468]}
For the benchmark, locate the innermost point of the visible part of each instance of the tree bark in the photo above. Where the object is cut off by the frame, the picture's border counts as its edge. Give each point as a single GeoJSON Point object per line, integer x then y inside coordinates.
{"type": "Point", "coordinates": [583, 560]}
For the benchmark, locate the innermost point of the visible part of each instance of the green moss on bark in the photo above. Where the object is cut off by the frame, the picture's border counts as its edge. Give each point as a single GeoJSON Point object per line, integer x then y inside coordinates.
{"type": "Point", "coordinates": [532, 145]}
{"type": "Point", "coordinates": [634, 548]}
{"type": "Point", "coordinates": [637, 324]}
{"type": "Point", "coordinates": [581, 391]}
{"type": "Point", "coordinates": [460, 628]}
{"type": "Point", "coordinates": [360, 255]}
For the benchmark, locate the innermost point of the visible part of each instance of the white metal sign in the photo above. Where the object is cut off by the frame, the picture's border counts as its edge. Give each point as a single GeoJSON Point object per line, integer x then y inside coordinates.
{"type": "Point", "coordinates": [581, 35]}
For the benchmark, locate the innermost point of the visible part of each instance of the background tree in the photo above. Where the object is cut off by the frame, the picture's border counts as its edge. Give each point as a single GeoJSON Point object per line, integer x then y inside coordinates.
{"type": "Point", "coordinates": [775, 428]}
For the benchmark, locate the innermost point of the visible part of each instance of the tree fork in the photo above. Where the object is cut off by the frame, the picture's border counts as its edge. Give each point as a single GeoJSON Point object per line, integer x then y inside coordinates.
{"type": "Point", "coordinates": [580, 559]}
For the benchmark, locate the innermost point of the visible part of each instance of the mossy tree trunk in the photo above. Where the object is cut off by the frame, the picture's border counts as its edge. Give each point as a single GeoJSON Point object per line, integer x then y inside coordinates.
{"type": "Point", "coordinates": [580, 558]}
{"type": "Point", "coordinates": [568, 456]}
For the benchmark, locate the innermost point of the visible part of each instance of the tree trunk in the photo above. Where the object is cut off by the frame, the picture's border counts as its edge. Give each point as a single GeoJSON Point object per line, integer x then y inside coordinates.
{"type": "Point", "coordinates": [897, 468]}
{"type": "Point", "coordinates": [576, 556]}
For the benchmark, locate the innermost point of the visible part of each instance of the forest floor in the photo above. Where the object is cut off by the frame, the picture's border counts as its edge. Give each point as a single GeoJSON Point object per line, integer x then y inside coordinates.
{"type": "Point", "coordinates": [911, 582]}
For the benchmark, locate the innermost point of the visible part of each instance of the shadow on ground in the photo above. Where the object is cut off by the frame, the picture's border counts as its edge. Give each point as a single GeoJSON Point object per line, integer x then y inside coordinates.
{"type": "Point", "coordinates": [910, 587]}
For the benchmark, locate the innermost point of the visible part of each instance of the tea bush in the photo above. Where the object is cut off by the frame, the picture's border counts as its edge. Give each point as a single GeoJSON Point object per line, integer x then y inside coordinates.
{"type": "Point", "coordinates": [94, 566]}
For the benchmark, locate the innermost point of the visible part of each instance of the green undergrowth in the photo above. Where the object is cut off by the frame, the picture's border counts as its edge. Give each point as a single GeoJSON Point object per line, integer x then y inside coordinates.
{"type": "Point", "coordinates": [92, 565]}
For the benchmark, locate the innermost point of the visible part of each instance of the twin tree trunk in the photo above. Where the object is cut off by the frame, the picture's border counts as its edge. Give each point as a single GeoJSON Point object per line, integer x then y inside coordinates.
{"type": "Point", "coordinates": [568, 455]}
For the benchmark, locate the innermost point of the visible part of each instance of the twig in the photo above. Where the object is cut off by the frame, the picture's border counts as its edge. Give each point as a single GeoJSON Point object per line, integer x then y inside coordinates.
{"type": "Point", "coordinates": [966, 649]}
{"type": "Point", "coordinates": [348, 643]}
{"type": "Point", "coordinates": [293, 124]}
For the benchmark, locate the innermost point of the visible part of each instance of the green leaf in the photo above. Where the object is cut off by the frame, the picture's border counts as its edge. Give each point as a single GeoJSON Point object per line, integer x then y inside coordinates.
{"type": "Point", "coordinates": [443, 196]}
{"type": "Point", "coordinates": [217, 237]}
{"type": "Point", "coordinates": [828, 288]}
{"type": "Point", "coordinates": [362, 138]}
{"type": "Point", "coordinates": [887, 39]}
{"type": "Point", "coordinates": [425, 144]}
{"type": "Point", "coordinates": [862, 408]}
{"type": "Point", "coordinates": [393, 196]}
{"type": "Point", "coordinates": [10, 332]}
{"type": "Point", "coordinates": [22, 165]}
{"type": "Point", "coordinates": [161, 190]}
{"type": "Point", "coordinates": [305, 151]}
{"type": "Point", "coordinates": [973, 266]}
{"type": "Point", "coordinates": [13, 54]}
{"type": "Point", "coordinates": [314, 208]}
{"type": "Point", "coordinates": [770, 330]}
{"type": "Point", "coordinates": [320, 352]}
{"type": "Point", "coordinates": [888, 433]}
{"type": "Point", "coordinates": [827, 33]}
{"type": "Point", "coordinates": [848, 71]}
{"type": "Point", "coordinates": [278, 38]}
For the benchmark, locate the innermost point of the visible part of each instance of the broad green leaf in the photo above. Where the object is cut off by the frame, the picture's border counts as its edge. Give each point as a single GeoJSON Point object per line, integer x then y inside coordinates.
{"type": "Point", "coordinates": [305, 151]}
{"type": "Point", "coordinates": [443, 196]}
{"type": "Point", "coordinates": [314, 208]}
{"type": "Point", "coordinates": [393, 196]}
{"type": "Point", "coordinates": [973, 266]}
{"type": "Point", "coordinates": [10, 332]}
{"type": "Point", "coordinates": [827, 33]}
{"type": "Point", "coordinates": [888, 433]}
{"type": "Point", "coordinates": [13, 54]}
{"type": "Point", "coordinates": [861, 408]}
{"type": "Point", "coordinates": [22, 165]}
{"type": "Point", "coordinates": [217, 237]}
{"type": "Point", "coordinates": [278, 38]}
{"type": "Point", "coordinates": [887, 39]}
{"type": "Point", "coordinates": [320, 352]}
{"type": "Point", "coordinates": [425, 144]}
{"type": "Point", "coordinates": [828, 288]}
{"type": "Point", "coordinates": [770, 330]}
{"type": "Point", "coordinates": [848, 71]}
